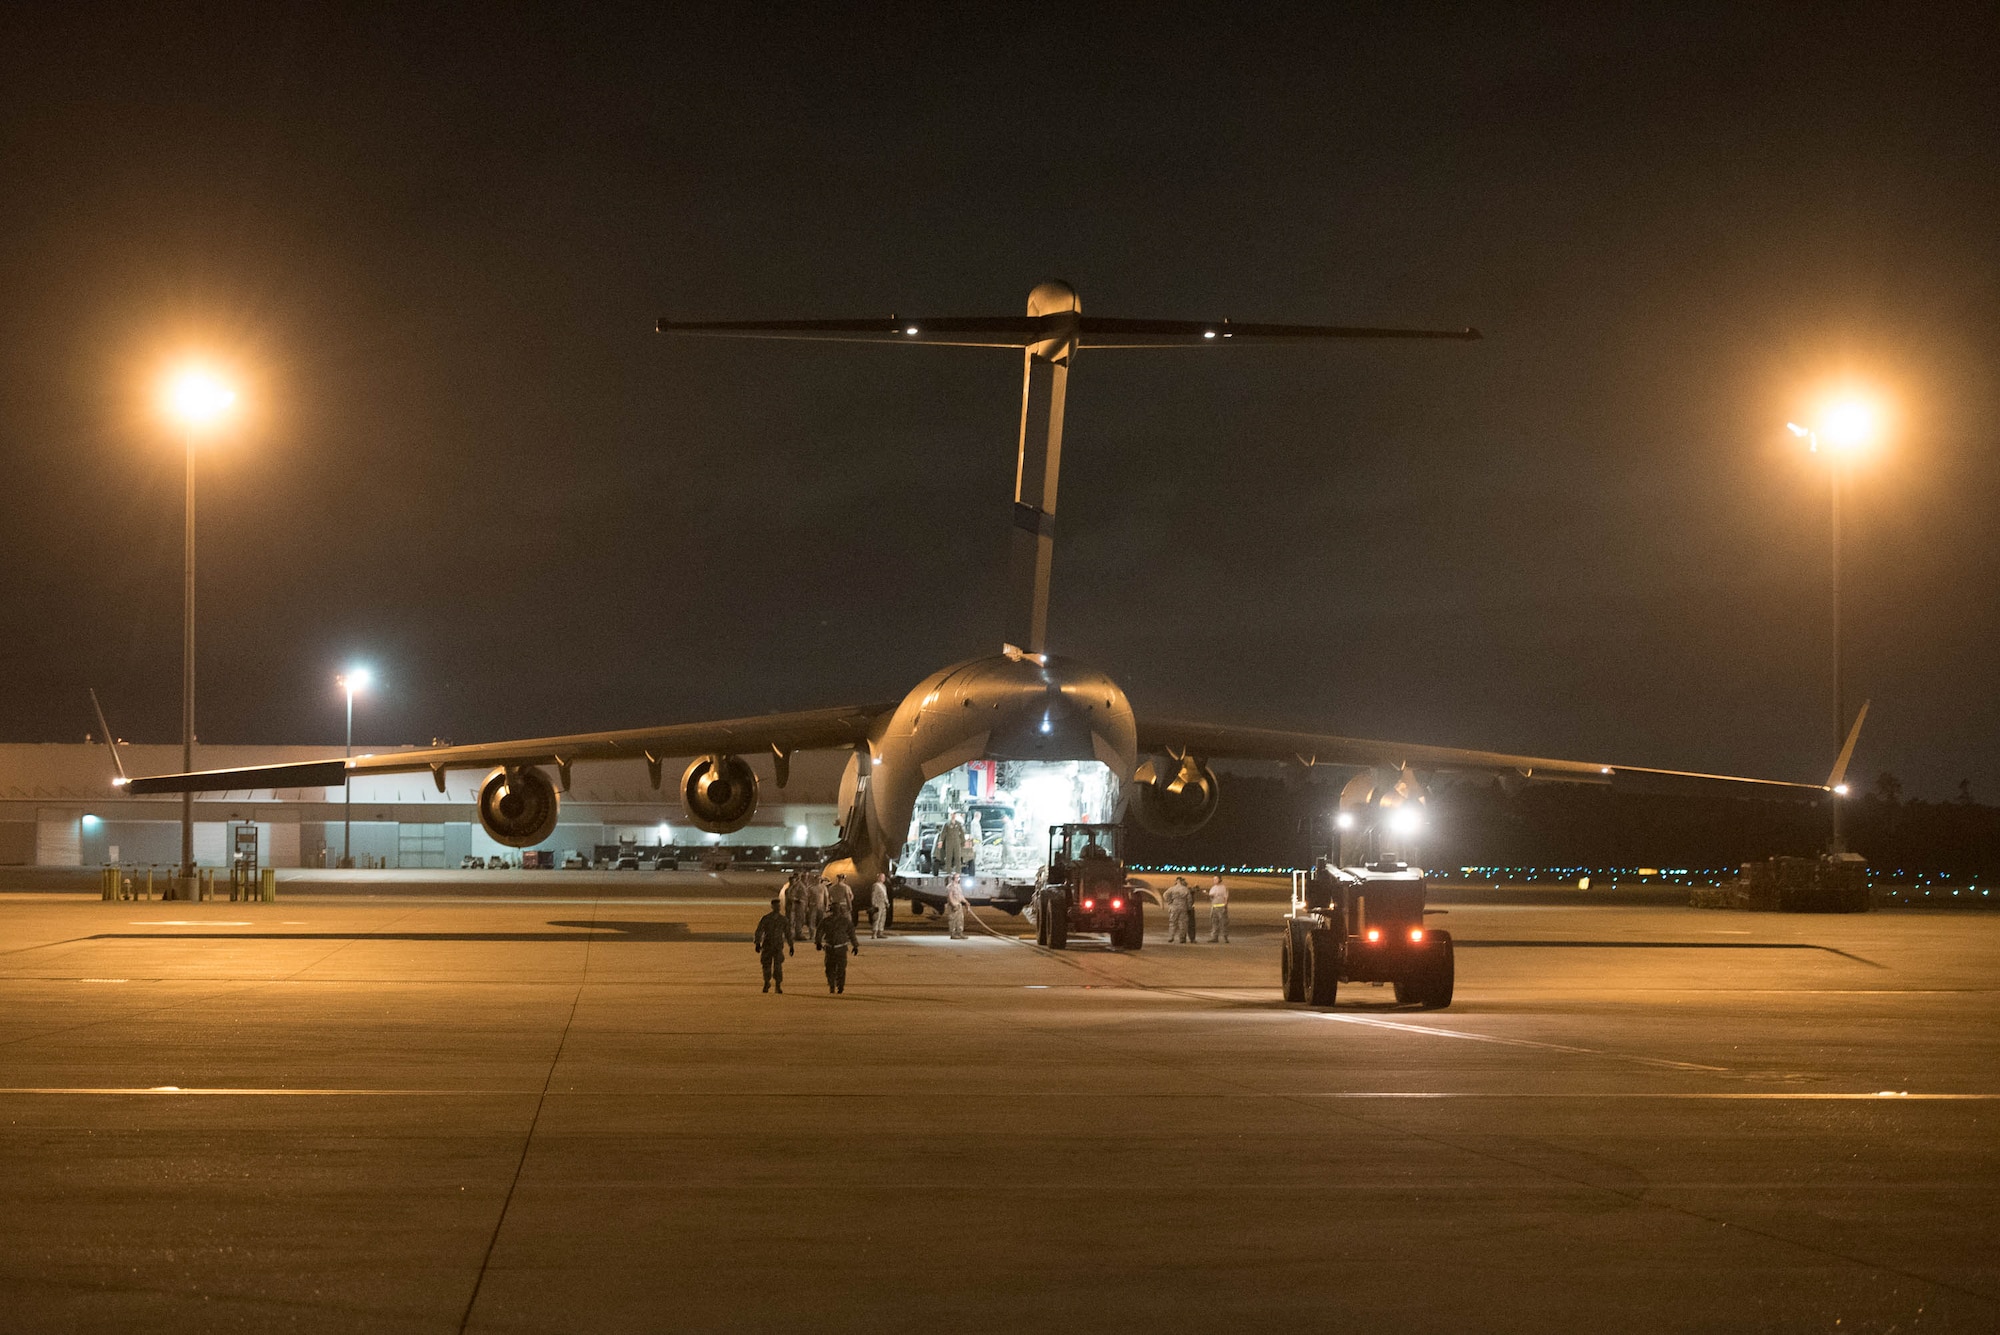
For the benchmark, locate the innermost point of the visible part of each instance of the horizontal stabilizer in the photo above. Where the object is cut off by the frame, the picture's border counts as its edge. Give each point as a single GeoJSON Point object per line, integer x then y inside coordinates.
{"type": "Point", "coordinates": [1102, 332]}
{"type": "Point", "coordinates": [998, 331]}
{"type": "Point", "coordinates": [1020, 331]}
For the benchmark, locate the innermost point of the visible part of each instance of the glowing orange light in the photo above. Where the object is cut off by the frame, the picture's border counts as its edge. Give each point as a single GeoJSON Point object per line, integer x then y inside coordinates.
{"type": "Point", "coordinates": [1852, 423]}
{"type": "Point", "coordinates": [1849, 423]}
{"type": "Point", "coordinates": [196, 397]}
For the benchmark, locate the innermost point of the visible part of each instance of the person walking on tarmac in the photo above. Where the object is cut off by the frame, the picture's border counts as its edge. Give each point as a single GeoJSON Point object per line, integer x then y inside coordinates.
{"type": "Point", "coordinates": [1218, 911]}
{"type": "Point", "coordinates": [1180, 911]}
{"type": "Point", "coordinates": [815, 902]}
{"type": "Point", "coordinates": [833, 938]}
{"type": "Point", "coordinates": [773, 938]}
{"type": "Point", "coordinates": [954, 911]}
{"type": "Point", "coordinates": [796, 899]}
{"type": "Point", "coordinates": [878, 908]}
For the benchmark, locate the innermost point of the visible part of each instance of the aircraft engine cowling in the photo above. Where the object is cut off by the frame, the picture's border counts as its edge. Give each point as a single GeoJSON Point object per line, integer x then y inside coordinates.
{"type": "Point", "coordinates": [719, 793]}
{"type": "Point", "coordinates": [1179, 801]}
{"type": "Point", "coordinates": [518, 807]}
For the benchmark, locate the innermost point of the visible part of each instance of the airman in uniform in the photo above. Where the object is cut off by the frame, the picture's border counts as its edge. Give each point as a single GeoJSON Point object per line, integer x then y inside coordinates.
{"type": "Point", "coordinates": [1179, 899]}
{"type": "Point", "coordinates": [834, 937]}
{"type": "Point", "coordinates": [773, 939]}
{"type": "Point", "coordinates": [878, 908]}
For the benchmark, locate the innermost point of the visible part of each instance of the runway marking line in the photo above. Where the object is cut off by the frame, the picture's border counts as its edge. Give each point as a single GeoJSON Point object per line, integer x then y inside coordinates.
{"type": "Point", "coordinates": [157, 1090]}
{"type": "Point", "coordinates": [1516, 1042]}
{"type": "Point", "coordinates": [1896, 1095]}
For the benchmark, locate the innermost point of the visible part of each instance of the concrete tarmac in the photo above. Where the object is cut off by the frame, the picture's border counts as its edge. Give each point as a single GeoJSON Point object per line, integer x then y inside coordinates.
{"type": "Point", "coordinates": [578, 1114]}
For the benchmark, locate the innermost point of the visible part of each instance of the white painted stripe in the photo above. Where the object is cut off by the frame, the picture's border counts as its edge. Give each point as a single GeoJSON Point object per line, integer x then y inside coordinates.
{"type": "Point", "coordinates": [1883, 1096]}
{"type": "Point", "coordinates": [1514, 1042]}
{"type": "Point", "coordinates": [309, 1093]}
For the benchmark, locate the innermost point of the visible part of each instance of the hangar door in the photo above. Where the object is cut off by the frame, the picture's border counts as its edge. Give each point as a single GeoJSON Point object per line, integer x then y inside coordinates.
{"type": "Point", "coordinates": [420, 845]}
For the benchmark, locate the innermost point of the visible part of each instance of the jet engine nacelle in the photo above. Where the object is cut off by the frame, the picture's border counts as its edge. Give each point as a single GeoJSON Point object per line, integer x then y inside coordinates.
{"type": "Point", "coordinates": [518, 806]}
{"type": "Point", "coordinates": [1179, 801]}
{"type": "Point", "coordinates": [719, 793]}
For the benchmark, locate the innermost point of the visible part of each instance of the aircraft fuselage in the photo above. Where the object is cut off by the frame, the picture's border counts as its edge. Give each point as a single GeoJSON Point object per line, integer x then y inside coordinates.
{"type": "Point", "coordinates": [1010, 707]}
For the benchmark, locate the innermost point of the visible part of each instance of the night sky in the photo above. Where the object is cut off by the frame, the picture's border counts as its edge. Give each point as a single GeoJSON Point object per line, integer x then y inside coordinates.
{"type": "Point", "coordinates": [434, 244]}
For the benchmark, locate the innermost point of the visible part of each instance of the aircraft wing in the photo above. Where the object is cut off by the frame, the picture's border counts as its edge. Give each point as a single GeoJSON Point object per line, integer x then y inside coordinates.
{"type": "Point", "coordinates": [1020, 331]}
{"type": "Point", "coordinates": [809, 730]}
{"type": "Point", "coordinates": [1209, 741]}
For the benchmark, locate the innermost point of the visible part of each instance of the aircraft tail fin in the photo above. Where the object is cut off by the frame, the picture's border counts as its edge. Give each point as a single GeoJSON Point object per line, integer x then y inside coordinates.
{"type": "Point", "coordinates": [1839, 775]}
{"type": "Point", "coordinates": [109, 740]}
{"type": "Point", "coordinates": [1038, 467]}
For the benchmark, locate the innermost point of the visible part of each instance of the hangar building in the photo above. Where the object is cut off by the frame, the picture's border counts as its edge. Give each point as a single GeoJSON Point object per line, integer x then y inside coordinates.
{"type": "Point", "coordinates": [59, 808]}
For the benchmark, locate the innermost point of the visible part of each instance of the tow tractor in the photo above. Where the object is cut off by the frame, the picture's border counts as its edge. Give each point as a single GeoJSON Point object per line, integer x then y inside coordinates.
{"type": "Point", "coordinates": [1363, 925]}
{"type": "Point", "coordinates": [1085, 890]}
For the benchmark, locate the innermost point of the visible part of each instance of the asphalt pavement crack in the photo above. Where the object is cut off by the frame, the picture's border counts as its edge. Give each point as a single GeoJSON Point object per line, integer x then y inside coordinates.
{"type": "Point", "coordinates": [527, 1141]}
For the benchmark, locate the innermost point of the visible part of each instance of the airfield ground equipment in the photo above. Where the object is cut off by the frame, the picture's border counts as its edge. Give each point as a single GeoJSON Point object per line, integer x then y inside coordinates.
{"type": "Point", "coordinates": [1086, 890]}
{"type": "Point", "coordinates": [1830, 883]}
{"type": "Point", "coordinates": [1363, 925]}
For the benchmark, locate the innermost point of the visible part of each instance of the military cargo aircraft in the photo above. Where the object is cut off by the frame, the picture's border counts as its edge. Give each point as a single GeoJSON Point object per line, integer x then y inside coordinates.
{"type": "Point", "coordinates": [1001, 747]}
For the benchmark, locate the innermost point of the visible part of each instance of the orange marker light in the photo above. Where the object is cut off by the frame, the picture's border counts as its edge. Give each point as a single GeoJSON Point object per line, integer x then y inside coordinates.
{"type": "Point", "coordinates": [1416, 934]}
{"type": "Point", "coordinates": [1374, 933]}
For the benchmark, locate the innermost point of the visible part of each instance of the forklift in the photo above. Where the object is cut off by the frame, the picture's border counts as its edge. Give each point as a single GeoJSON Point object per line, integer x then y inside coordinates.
{"type": "Point", "coordinates": [1084, 890]}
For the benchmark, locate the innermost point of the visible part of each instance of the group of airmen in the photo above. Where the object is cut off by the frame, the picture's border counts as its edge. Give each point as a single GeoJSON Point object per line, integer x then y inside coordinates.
{"type": "Point", "coordinates": [1179, 899]}
{"type": "Point", "coordinates": [809, 908]}
{"type": "Point", "coordinates": [807, 898]}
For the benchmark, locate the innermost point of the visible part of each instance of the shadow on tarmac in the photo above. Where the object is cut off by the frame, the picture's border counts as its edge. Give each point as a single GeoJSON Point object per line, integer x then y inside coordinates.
{"type": "Point", "coordinates": [601, 930]}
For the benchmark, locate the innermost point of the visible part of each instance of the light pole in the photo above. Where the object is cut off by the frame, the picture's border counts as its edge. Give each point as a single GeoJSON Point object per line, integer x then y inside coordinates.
{"type": "Point", "coordinates": [352, 680]}
{"type": "Point", "coordinates": [1848, 425]}
{"type": "Point", "coordinates": [197, 400]}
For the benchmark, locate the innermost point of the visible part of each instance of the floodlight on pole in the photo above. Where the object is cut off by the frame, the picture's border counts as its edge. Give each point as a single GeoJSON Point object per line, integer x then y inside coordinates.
{"type": "Point", "coordinates": [196, 399]}
{"type": "Point", "coordinates": [353, 680]}
{"type": "Point", "coordinates": [1852, 423]}
{"type": "Point", "coordinates": [1849, 422]}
